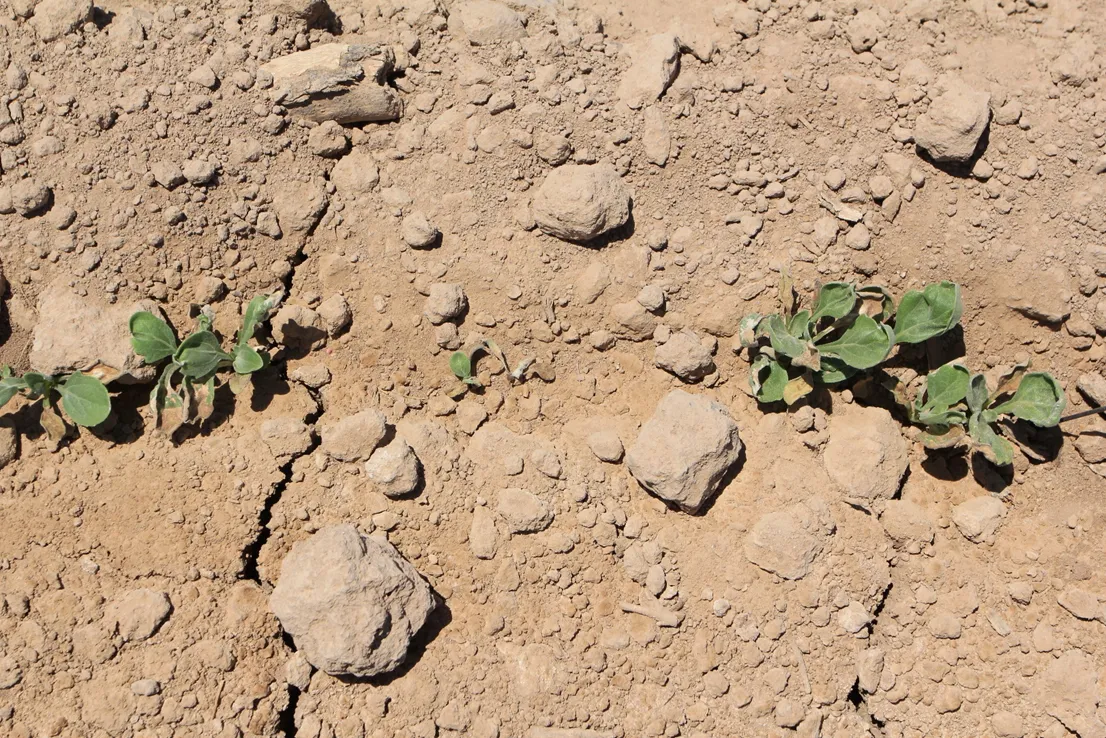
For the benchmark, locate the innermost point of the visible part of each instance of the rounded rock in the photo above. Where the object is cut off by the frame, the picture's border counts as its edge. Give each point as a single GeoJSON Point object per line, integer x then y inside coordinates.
{"type": "Point", "coordinates": [581, 202]}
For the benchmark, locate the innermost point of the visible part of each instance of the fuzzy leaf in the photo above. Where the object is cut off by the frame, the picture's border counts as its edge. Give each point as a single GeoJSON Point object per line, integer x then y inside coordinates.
{"type": "Point", "coordinates": [461, 365]}
{"type": "Point", "coordinates": [863, 345]}
{"type": "Point", "coordinates": [247, 360]}
{"type": "Point", "coordinates": [9, 387]}
{"type": "Point", "coordinates": [977, 393]}
{"type": "Point", "coordinates": [257, 312]}
{"type": "Point", "coordinates": [799, 325]}
{"type": "Point", "coordinates": [929, 313]}
{"type": "Point", "coordinates": [782, 341]}
{"type": "Point", "coordinates": [200, 354]}
{"type": "Point", "coordinates": [767, 379]}
{"type": "Point", "coordinates": [835, 300]}
{"type": "Point", "coordinates": [38, 384]}
{"type": "Point", "coordinates": [239, 382]}
{"type": "Point", "coordinates": [151, 337]}
{"type": "Point", "coordinates": [834, 370]}
{"type": "Point", "coordinates": [1039, 399]}
{"type": "Point", "coordinates": [85, 399]}
{"type": "Point", "coordinates": [943, 437]}
{"type": "Point", "coordinates": [994, 447]}
{"type": "Point", "coordinates": [946, 386]}
{"type": "Point", "coordinates": [940, 417]}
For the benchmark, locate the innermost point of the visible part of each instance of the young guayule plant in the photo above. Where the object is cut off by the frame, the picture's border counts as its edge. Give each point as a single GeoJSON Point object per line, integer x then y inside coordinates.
{"type": "Point", "coordinates": [958, 410]}
{"type": "Point", "coordinates": [84, 398]}
{"type": "Point", "coordinates": [847, 329]}
{"type": "Point", "coordinates": [198, 359]}
{"type": "Point", "coordinates": [463, 365]}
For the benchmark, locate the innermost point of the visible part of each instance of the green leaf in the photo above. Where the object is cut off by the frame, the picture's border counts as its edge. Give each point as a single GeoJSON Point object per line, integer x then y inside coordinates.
{"type": "Point", "coordinates": [977, 394]}
{"type": "Point", "coordinates": [256, 313]}
{"type": "Point", "coordinates": [834, 370]}
{"type": "Point", "coordinates": [886, 301]}
{"type": "Point", "coordinates": [994, 447]}
{"type": "Point", "coordinates": [941, 417]}
{"type": "Point", "coordinates": [835, 300]}
{"type": "Point", "coordinates": [943, 436]}
{"type": "Point", "coordinates": [151, 337]}
{"type": "Point", "coordinates": [85, 399]}
{"type": "Point", "coordinates": [200, 354]}
{"type": "Point", "coordinates": [863, 345]}
{"type": "Point", "coordinates": [782, 341]}
{"type": "Point", "coordinates": [38, 384]}
{"type": "Point", "coordinates": [929, 313]}
{"type": "Point", "coordinates": [768, 379]}
{"type": "Point", "coordinates": [946, 386]}
{"type": "Point", "coordinates": [1039, 399]}
{"type": "Point", "coordinates": [747, 329]}
{"type": "Point", "coordinates": [9, 387]}
{"type": "Point", "coordinates": [799, 325]}
{"type": "Point", "coordinates": [461, 365]}
{"type": "Point", "coordinates": [247, 360]}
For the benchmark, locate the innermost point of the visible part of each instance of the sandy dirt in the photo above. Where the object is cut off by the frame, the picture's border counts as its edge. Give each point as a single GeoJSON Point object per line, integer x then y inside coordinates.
{"type": "Point", "coordinates": [605, 188]}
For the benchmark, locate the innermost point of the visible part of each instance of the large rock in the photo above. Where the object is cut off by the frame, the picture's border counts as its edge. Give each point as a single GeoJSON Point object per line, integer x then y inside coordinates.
{"type": "Point", "coordinates": [485, 22]}
{"type": "Point", "coordinates": [55, 18]}
{"type": "Point", "coordinates": [788, 541]}
{"type": "Point", "coordinates": [101, 346]}
{"type": "Point", "coordinates": [866, 454]}
{"type": "Point", "coordinates": [351, 602]}
{"type": "Point", "coordinates": [955, 122]}
{"type": "Point", "coordinates": [354, 437]}
{"type": "Point", "coordinates": [685, 450]}
{"type": "Point", "coordinates": [654, 63]}
{"type": "Point", "coordinates": [339, 82]}
{"type": "Point", "coordinates": [685, 356]}
{"type": "Point", "coordinates": [580, 202]}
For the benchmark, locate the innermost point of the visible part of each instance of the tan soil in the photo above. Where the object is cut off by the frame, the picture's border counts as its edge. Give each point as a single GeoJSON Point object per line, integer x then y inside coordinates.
{"type": "Point", "coordinates": [964, 638]}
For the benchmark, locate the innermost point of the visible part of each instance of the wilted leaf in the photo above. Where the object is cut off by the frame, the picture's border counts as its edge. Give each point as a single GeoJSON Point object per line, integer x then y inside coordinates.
{"type": "Point", "coordinates": [1009, 380]}
{"type": "Point", "coordinates": [787, 292]}
{"type": "Point", "coordinates": [257, 312]}
{"type": "Point", "coordinates": [929, 313]}
{"type": "Point", "coordinates": [810, 359]}
{"type": "Point", "coordinates": [1039, 399]}
{"type": "Point", "coordinates": [796, 389]}
{"type": "Point", "coordinates": [205, 399]}
{"type": "Point", "coordinates": [151, 337]}
{"type": "Point", "coordinates": [767, 379]}
{"type": "Point", "coordinates": [994, 447]}
{"type": "Point", "coordinates": [85, 399]}
{"type": "Point", "coordinates": [879, 295]}
{"type": "Point", "coordinates": [747, 329]}
{"type": "Point", "coordinates": [941, 417]}
{"type": "Point", "coordinates": [863, 345]}
{"type": "Point", "coordinates": [53, 424]}
{"type": "Point", "coordinates": [238, 383]}
{"type": "Point", "coordinates": [835, 300]}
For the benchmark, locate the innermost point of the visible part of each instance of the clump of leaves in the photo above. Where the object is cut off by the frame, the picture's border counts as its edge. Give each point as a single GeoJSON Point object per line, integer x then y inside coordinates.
{"type": "Point", "coordinates": [83, 397]}
{"type": "Point", "coordinates": [463, 365]}
{"type": "Point", "coordinates": [198, 360]}
{"type": "Point", "coordinates": [958, 409]}
{"type": "Point", "coordinates": [845, 330]}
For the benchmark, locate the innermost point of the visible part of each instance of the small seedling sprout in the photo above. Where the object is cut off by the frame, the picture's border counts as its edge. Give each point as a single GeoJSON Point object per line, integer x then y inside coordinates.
{"type": "Point", "coordinates": [198, 359]}
{"type": "Point", "coordinates": [83, 397]}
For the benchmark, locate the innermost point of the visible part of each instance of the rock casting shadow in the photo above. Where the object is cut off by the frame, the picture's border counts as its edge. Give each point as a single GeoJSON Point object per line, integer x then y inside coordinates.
{"type": "Point", "coordinates": [623, 233]}
{"type": "Point", "coordinates": [722, 485]}
{"type": "Point", "coordinates": [958, 169]}
{"type": "Point", "coordinates": [437, 621]}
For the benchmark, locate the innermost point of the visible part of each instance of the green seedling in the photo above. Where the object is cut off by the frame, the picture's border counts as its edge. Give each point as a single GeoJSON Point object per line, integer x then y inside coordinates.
{"type": "Point", "coordinates": [958, 410]}
{"type": "Point", "coordinates": [847, 329]}
{"type": "Point", "coordinates": [198, 360]}
{"type": "Point", "coordinates": [463, 364]}
{"type": "Point", "coordinates": [83, 397]}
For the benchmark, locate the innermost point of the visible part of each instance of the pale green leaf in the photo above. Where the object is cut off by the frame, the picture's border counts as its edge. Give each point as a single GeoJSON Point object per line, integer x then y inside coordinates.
{"type": "Point", "coordinates": [768, 379]}
{"type": "Point", "coordinates": [946, 386]}
{"type": "Point", "coordinates": [200, 354]}
{"type": "Point", "coordinates": [1039, 399]}
{"type": "Point", "coordinates": [929, 313]}
{"type": "Point", "coordinates": [863, 345]}
{"type": "Point", "coordinates": [85, 399]}
{"type": "Point", "coordinates": [151, 337]}
{"type": "Point", "coordinates": [835, 300]}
